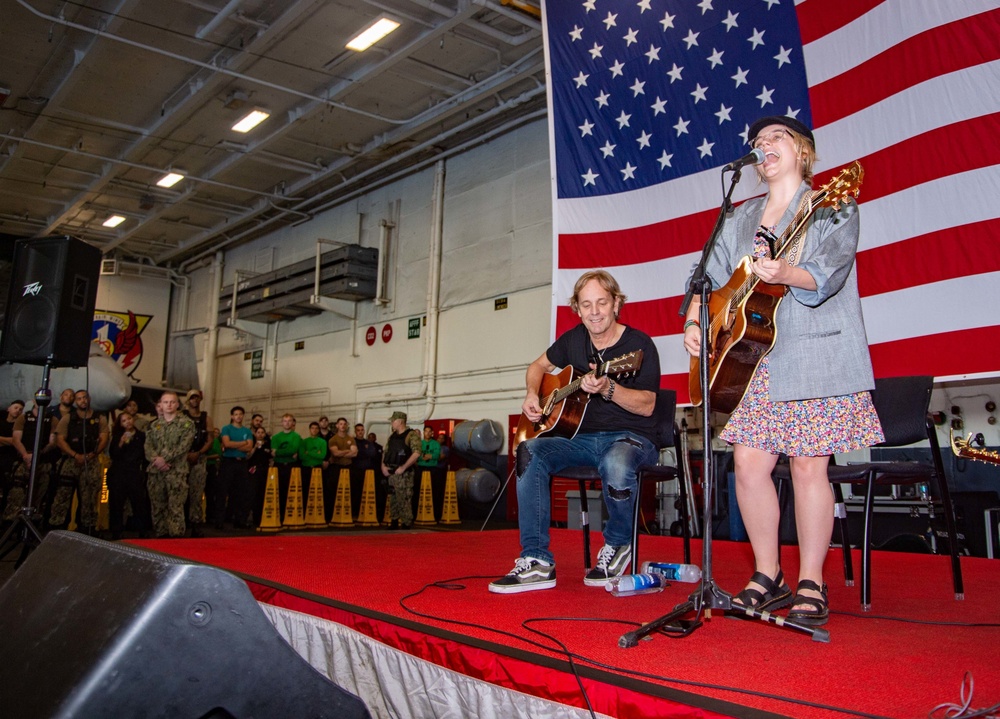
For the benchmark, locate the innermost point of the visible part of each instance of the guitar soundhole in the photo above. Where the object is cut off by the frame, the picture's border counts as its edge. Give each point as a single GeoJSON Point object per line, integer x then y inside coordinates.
{"type": "Point", "coordinates": [759, 319]}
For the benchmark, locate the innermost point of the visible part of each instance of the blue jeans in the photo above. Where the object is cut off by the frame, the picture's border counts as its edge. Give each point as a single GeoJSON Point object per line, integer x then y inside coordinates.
{"type": "Point", "coordinates": [617, 455]}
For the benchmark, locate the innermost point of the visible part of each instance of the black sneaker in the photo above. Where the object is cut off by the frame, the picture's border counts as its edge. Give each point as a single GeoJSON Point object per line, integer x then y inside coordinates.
{"type": "Point", "coordinates": [527, 575]}
{"type": "Point", "coordinates": [611, 562]}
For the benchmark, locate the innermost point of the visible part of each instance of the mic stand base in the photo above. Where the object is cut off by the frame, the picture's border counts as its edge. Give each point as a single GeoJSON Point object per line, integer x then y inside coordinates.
{"type": "Point", "coordinates": [701, 603]}
{"type": "Point", "coordinates": [23, 530]}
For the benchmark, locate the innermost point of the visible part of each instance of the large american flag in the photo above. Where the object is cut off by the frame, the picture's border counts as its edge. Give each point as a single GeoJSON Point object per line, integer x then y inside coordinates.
{"type": "Point", "coordinates": [649, 98]}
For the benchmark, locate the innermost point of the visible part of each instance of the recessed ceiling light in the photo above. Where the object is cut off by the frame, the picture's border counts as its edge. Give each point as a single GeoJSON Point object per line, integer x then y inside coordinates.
{"type": "Point", "coordinates": [251, 120]}
{"type": "Point", "coordinates": [372, 34]}
{"type": "Point", "coordinates": [170, 179]}
{"type": "Point", "coordinates": [113, 221]}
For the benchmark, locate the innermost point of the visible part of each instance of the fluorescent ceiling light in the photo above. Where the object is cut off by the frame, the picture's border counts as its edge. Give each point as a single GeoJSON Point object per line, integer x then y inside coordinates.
{"type": "Point", "coordinates": [372, 34]}
{"type": "Point", "coordinates": [169, 180]}
{"type": "Point", "coordinates": [251, 120]}
{"type": "Point", "coordinates": [113, 221]}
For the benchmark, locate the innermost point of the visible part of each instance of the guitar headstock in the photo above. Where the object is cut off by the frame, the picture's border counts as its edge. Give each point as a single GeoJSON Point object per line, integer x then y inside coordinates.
{"type": "Point", "coordinates": [841, 188]}
{"type": "Point", "coordinates": [625, 364]}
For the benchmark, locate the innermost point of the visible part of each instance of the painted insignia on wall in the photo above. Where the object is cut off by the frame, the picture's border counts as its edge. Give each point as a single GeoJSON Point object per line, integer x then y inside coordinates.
{"type": "Point", "coordinates": [119, 334]}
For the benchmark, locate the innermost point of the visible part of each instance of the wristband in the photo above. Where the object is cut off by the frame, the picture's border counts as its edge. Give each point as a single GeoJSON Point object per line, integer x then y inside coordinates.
{"type": "Point", "coordinates": [691, 323]}
{"type": "Point", "coordinates": [611, 390]}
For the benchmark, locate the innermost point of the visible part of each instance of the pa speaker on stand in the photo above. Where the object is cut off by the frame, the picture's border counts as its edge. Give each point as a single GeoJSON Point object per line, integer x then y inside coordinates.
{"type": "Point", "coordinates": [48, 321]}
{"type": "Point", "coordinates": [50, 303]}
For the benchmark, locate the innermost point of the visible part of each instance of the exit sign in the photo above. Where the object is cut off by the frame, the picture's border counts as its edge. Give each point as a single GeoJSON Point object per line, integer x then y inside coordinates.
{"type": "Point", "coordinates": [500, 304]}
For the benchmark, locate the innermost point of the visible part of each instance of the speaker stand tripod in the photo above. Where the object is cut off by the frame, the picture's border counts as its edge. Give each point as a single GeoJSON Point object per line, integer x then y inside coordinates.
{"type": "Point", "coordinates": [709, 595]}
{"type": "Point", "coordinates": [23, 530]}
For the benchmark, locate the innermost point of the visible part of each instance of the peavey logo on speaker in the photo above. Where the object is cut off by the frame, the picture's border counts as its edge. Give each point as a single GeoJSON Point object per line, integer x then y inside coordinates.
{"type": "Point", "coordinates": [32, 289]}
{"type": "Point", "coordinates": [119, 335]}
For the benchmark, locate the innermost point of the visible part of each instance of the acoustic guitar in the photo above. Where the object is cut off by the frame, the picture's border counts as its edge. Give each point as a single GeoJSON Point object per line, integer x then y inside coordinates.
{"type": "Point", "coordinates": [963, 448]}
{"type": "Point", "coordinates": [741, 314]}
{"type": "Point", "coordinates": [564, 405]}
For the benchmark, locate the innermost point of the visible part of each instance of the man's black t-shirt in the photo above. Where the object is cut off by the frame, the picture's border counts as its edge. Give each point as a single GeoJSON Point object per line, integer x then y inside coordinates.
{"type": "Point", "coordinates": [575, 348]}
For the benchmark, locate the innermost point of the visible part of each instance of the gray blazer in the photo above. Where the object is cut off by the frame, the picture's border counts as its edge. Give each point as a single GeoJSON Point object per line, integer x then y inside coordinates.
{"type": "Point", "coordinates": [821, 349]}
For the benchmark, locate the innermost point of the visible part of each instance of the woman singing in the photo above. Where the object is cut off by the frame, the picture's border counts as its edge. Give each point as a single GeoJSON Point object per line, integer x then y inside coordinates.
{"type": "Point", "coordinates": [809, 398]}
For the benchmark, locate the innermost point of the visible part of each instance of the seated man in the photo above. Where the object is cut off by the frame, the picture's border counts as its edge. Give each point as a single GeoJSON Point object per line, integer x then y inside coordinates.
{"type": "Point", "coordinates": [616, 434]}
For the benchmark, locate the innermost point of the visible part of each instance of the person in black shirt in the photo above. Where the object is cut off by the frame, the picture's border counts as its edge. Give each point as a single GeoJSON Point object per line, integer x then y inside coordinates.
{"type": "Point", "coordinates": [126, 477]}
{"type": "Point", "coordinates": [616, 434]}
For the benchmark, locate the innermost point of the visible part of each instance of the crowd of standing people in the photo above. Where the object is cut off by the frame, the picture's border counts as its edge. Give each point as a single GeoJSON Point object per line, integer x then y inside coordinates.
{"type": "Point", "coordinates": [170, 474]}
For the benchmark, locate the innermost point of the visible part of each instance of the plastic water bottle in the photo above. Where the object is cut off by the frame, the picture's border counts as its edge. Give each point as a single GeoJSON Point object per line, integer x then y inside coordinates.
{"type": "Point", "coordinates": [630, 584]}
{"type": "Point", "coordinates": [675, 572]}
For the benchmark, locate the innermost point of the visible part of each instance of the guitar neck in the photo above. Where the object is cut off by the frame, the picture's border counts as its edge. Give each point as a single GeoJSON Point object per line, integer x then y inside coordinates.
{"type": "Point", "coordinates": [563, 392]}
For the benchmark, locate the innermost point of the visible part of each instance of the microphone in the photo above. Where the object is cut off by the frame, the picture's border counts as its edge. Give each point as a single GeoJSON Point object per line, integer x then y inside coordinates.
{"type": "Point", "coordinates": [754, 158]}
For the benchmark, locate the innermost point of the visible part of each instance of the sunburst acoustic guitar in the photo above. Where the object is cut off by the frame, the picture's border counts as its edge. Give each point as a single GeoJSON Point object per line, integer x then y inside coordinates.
{"type": "Point", "coordinates": [564, 404]}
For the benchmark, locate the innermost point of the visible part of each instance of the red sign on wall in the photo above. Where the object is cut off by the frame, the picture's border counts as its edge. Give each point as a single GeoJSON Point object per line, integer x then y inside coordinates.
{"type": "Point", "coordinates": [370, 336]}
{"type": "Point", "coordinates": [387, 333]}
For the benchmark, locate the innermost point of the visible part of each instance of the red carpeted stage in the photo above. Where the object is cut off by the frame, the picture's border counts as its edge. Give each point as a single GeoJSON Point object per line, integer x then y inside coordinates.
{"type": "Point", "coordinates": [396, 607]}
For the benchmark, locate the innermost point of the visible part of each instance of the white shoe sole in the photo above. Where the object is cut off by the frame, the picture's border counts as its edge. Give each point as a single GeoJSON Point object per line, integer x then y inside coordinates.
{"type": "Point", "coordinates": [518, 588]}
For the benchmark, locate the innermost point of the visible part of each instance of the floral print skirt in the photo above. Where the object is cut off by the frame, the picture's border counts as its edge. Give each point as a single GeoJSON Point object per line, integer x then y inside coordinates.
{"type": "Point", "coordinates": [802, 428]}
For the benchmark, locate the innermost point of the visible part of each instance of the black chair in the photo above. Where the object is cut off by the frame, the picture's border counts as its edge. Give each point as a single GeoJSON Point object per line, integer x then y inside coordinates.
{"type": "Point", "coordinates": [666, 436]}
{"type": "Point", "coordinates": [902, 405]}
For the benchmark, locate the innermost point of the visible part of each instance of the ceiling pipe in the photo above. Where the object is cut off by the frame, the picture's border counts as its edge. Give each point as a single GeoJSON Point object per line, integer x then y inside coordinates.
{"type": "Point", "coordinates": [208, 66]}
{"type": "Point", "coordinates": [80, 52]}
{"type": "Point", "coordinates": [139, 166]}
{"type": "Point", "coordinates": [402, 173]}
{"type": "Point", "coordinates": [218, 19]}
{"type": "Point", "coordinates": [434, 289]}
{"type": "Point", "coordinates": [533, 11]}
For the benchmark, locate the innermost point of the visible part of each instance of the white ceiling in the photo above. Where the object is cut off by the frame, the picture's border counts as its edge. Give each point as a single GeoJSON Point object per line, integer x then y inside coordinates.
{"type": "Point", "coordinates": [105, 96]}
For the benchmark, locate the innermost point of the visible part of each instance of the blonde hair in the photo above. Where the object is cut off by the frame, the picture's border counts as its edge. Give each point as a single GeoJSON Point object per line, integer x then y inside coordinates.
{"type": "Point", "coordinates": [605, 280]}
{"type": "Point", "coordinates": [804, 150]}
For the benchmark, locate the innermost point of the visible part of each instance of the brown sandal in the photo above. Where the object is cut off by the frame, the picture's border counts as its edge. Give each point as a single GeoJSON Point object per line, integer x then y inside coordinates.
{"type": "Point", "coordinates": [812, 611]}
{"type": "Point", "coordinates": [776, 595]}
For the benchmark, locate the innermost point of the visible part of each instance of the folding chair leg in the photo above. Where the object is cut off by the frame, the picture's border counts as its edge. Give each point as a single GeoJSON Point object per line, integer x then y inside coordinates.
{"type": "Point", "coordinates": [682, 482]}
{"type": "Point", "coordinates": [636, 511]}
{"type": "Point", "coordinates": [585, 524]}
{"type": "Point", "coordinates": [840, 517]}
{"type": "Point", "coordinates": [947, 507]}
{"type": "Point", "coordinates": [782, 508]}
{"type": "Point", "coordinates": [866, 554]}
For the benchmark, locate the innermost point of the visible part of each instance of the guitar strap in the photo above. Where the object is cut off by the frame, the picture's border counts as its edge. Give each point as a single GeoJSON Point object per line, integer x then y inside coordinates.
{"type": "Point", "coordinates": [795, 243]}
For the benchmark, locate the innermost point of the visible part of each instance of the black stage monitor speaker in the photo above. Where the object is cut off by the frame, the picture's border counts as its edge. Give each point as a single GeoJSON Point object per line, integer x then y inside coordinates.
{"type": "Point", "coordinates": [50, 302]}
{"type": "Point", "coordinates": [98, 629]}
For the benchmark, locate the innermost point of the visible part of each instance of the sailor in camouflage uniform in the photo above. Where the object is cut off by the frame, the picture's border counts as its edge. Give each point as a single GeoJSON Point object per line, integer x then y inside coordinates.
{"type": "Point", "coordinates": [24, 443]}
{"type": "Point", "coordinates": [168, 440]}
{"type": "Point", "coordinates": [197, 460]}
{"type": "Point", "coordinates": [401, 452]}
{"type": "Point", "coordinates": [82, 436]}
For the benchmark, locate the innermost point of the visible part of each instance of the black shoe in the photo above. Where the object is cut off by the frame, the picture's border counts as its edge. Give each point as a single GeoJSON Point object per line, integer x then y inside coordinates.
{"type": "Point", "coordinates": [394, 524]}
{"type": "Point", "coordinates": [811, 611]}
{"type": "Point", "coordinates": [776, 594]}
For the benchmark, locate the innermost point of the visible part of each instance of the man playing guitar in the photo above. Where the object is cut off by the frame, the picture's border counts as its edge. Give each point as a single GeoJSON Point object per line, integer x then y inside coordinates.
{"type": "Point", "coordinates": [616, 434]}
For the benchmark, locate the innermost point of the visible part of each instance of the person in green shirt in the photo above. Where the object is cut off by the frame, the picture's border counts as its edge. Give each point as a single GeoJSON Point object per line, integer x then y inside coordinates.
{"type": "Point", "coordinates": [430, 456]}
{"type": "Point", "coordinates": [285, 445]}
{"type": "Point", "coordinates": [313, 455]}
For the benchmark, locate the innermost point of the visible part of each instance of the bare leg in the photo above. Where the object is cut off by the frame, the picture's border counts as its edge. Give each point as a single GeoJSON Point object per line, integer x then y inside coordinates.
{"type": "Point", "coordinates": [813, 516]}
{"type": "Point", "coordinates": [758, 502]}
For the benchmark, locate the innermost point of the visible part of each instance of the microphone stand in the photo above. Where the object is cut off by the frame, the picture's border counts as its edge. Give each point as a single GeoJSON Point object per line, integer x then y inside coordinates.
{"type": "Point", "coordinates": [29, 536]}
{"type": "Point", "coordinates": [708, 595]}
